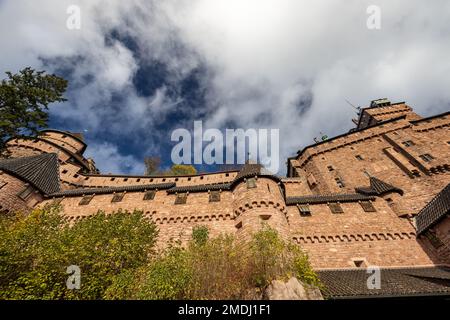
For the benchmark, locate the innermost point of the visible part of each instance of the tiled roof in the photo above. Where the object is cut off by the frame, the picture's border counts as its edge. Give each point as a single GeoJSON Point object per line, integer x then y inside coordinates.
{"type": "Point", "coordinates": [338, 197]}
{"type": "Point", "coordinates": [134, 188]}
{"type": "Point", "coordinates": [394, 282]}
{"type": "Point", "coordinates": [201, 188]}
{"type": "Point", "coordinates": [251, 170]}
{"type": "Point", "coordinates": [378, 188]}
{"type": "Point", "coordinates": [434, 211]}
{"type": "Point", "coordinates": [41, 171]}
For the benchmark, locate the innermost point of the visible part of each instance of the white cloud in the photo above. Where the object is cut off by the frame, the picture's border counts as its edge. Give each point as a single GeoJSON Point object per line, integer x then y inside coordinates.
{"type": "Point", "coordinates": [263, 57]}
{"type": "Point", "coordinates": [108, 159]}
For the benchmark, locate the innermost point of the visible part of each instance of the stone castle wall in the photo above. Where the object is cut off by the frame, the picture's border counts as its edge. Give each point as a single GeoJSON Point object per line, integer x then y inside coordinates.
{"type": "Point", "coordinates": [385, 237]}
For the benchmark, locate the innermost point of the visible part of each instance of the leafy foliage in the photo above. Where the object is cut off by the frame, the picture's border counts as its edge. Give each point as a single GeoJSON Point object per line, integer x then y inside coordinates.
{"type": "Point", "coordinates": [36, 250]}
{"type": "Point", "coordinates": [152, 168]}
{"type": "Point", "coordinates": [117, 258]}
{"type": "Point", "coordinates": [219, 268]}
{"type": "Point", "coordinates": [24, 100]}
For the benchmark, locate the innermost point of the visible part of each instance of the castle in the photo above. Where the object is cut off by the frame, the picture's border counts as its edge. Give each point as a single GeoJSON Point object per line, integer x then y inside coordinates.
{"type": "Point", "coordinates": [377, 195]}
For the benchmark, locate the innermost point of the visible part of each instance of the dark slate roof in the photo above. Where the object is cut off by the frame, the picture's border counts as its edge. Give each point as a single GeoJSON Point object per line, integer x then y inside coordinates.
{"type": "Point", "coordinates": [395, 282]}
{"type": "Point", "coordinates": [106, 190]}
{"type": "Point", "coordinates": [338, 197]}
{"type": "Point", "coordinates": [249, 170]}
{"type": "Point", "coordinates": [41, 171]}
{"type": "Point", "coordinates": [201, 188]}
{"type": "Point", "coordinates": [378, 188]}
{"type": "Point", "coordinates": [434, 211]}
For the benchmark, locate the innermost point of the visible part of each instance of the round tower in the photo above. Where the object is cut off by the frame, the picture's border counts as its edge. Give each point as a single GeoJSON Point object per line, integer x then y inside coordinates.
{"type": "Point", "coordinates": [258, 199]}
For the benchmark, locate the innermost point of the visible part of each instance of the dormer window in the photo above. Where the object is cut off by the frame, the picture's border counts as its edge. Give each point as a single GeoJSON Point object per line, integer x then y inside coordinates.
{"type": "Point", "coordinates": [117, 197]}
{"type": "Point", "coordinates": [149, 195]}
{"type": "Point", "coordinates": [304, 210]}
{"type": "Point", "coordinates": [251, 183]}
{"type": "Point", "coordinates": [85, 200]}
{"type": "Point", "coordinates": [214, 196]}
{"type": "Point", "coordinates": [181, 198]}
{"type": "Point", "coordinates": [335, 208]}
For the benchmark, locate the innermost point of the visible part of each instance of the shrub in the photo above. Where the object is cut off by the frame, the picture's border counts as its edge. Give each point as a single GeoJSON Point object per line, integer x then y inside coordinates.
{"type": "Point", "coordinates": [218, 268]}
{"type": "Point", "coordinates": [35, 251]}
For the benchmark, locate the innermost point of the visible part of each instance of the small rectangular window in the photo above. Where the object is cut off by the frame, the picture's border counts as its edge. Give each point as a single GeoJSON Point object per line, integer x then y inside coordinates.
{"type": "Point", "coordinates": [335, 208]}
{"type": "Point", "coordinates": [85, 200]}
{"type": "Point", "coordinates": [251, 183]}
{"type": "Point", "coordinates": [408, 143]}
{"type": "Point", "coordinates": [181, 198]}
{"type": "Point", "coordinates": [214, 196]}
{"type": "Point", "coordinates": [426, 157]}
{"type": "Point", "coordinates": [117, 197]}
{"type": "Point", "coordinates": [149, 195]}
{"type": "Point", "coordinates": [25, 193]}
{"type": "Point", "coordinates": [304, 210]}
{"type": "Point", "coordinates": [367, 206]}
{"type": "Point", "coordinates": [64, 171]}
{"type": "Point", "coordinates": [330, 168]}
{"type": "Point", "coordinates": [339, 182]}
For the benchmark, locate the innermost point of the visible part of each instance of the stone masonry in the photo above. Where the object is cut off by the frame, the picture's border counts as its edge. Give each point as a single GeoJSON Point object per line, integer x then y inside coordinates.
{"type": "Point", "coordinates": [350, 201]}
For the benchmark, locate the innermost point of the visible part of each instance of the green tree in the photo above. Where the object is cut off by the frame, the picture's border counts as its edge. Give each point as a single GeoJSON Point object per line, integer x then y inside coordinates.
{"type": "Point", "coordinates": [216, 268]}
{"type": "Point", "coordinates": [24, 100]}
{"type": "Point", "coordinates": [181, 170]}
{"type": "Point", "coordinates": [152, 166]}
{"type": "Point", "coordinates": [35, 251]}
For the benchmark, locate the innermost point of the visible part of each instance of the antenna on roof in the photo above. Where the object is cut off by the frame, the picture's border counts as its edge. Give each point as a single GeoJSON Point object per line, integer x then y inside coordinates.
{"type": "Point", "coordinates": [358, 108]}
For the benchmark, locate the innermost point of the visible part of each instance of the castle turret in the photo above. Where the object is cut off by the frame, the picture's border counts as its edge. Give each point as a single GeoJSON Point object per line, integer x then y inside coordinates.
{"type": "Point", "coordinates": [258, 198]}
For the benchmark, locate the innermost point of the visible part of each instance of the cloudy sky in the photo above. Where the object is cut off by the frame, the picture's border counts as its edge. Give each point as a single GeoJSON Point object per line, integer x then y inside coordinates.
{"type": "Point", "coordinates": [140, 69]}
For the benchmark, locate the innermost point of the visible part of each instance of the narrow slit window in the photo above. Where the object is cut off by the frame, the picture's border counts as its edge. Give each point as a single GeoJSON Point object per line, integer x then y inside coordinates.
{"type": "Point", "coordinates": [3, 183]}
{"type": "Point", "coordinates": [359, 157]}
